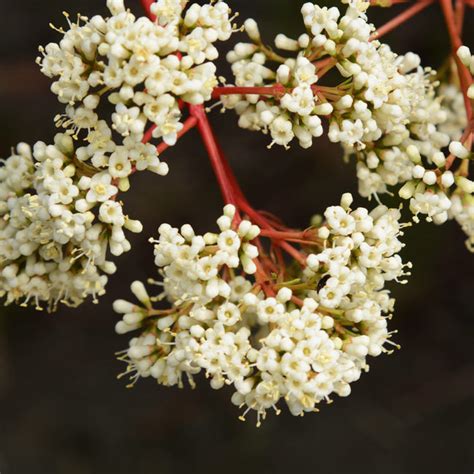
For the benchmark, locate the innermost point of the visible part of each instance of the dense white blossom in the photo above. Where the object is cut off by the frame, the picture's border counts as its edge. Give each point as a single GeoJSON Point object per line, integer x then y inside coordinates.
{"type": "Point", "coordinates": [58, 226]}
{"type": "Point", "coordinates": [387, 111]}
{"type": "Point", "coordinates": [301, 341]}
{"type": "Point", "coordinates": [143, 68]}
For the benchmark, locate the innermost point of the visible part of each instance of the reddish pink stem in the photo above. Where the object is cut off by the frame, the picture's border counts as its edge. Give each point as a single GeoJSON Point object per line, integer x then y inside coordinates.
{"type": "Point", "coordinates": [278, 89]}
{"type": "Point", "coordinates": [460, 11]}
{"type": "Point", "coordinates": [400, 19]}
{"type": "Point", "coordinates": [148, 135]}
{"type": "Point", "coordinates": [465, 77]}
{"type": "Point", "coordinates": [212, 148]}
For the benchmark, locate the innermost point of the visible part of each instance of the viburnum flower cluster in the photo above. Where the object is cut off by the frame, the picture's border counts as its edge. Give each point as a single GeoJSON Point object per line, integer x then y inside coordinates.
{"type": "Point", "coordinates": [281, 315]}
{"type": "Point", "coordinates": [385, 111]}
{"type": "Point", "coordinates": [133, 64]}
{"type": "Point", "coordinates": [302, 336]}
{"type": "Point", "coordinates": [59, 225]}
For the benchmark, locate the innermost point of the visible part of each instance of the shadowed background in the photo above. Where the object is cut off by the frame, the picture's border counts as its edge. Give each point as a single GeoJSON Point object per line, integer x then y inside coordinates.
{"type": "Point", "coordinates": [62, 409]}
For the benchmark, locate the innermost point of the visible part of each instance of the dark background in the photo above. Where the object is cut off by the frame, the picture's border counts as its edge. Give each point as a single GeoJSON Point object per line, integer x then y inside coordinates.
{"type": "Point", "coordinates": [62, 409]}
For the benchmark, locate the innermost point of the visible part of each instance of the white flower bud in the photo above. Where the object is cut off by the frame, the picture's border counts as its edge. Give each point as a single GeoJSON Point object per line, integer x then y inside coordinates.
{"type": "Point", "coordinates": [210, 238]}
{"type": "Point", "coordinates": [251, 28]}
{"type": "Point", "coordinates": [224, 223]}
{"type": "Point", "coordinates": [464, 54]}
{"type": "Point", "coordinates": [123, 328]}
{"type": "Point", "coordinates": [122, 307]}
{"type": "Point", "coordinates": [133, 225]}
{"type": "Point", "coordinates": [327, 322]}
{"type": "Point", "coordinates": [413, 153]}
{"type": "Point", "coordinates": [407, 190]}
{"type": "Point", "coordinates": [250, 250]}
{"type": "Point", "coordinates": [429, 178]}
{"type": "Point", "coordinates": [267, 117]}
{"type": "Point", "coordinates": [115, 6]}
{"type": "Point", "coordinates": [345, 102]}
{"type": "Point", "coordinates": [132, 318]}
{"type": "Point", "coordinates": [447, 179]}
{"type": "Point", "coordinates": [250, 299]}
{"type": "Point", "coordinates": [346, 200]}
{"type": "Point", "coordinates": [284, 295]}
{"type": "Point", "coordinates": [253, 233]}
{"type": "Point", "coordinates": [323, 109]}
{"type": "Point", "coordinates": [217, 383]}
{"type": "Point", "coordinates": [440, 218]}
{"type": "Point", "coordinates": [139, 290]}
{"type": "Point", "coordinates": [283, 42]}
{"type": "Point", "coordinates": [458, 150]}
{"type": "Point", "coordinates": [91, 101]}
{"type": "Point", "coordinates": [248, 265]}
{"type": "Point", "coordinates": [312, 262]}
{"type": "Point", "coordinates": [229, 211]}
{"type": "Point", "coordinates": [166, 322]}
{"type": "Point", "coordinates": [303, 40]}
{"type": "Point", "coordinates": [197, 331]}
{"type": "Point", "coordinates": [470, 92]}
{"type": "Point", "coordinates": [418, 172]}
{"type": "Point", "coordinates": [465, 184]}
{"type": "Point", "coordinates": [439, 159]}
{"type": "Point", "coordinates": [283, 74]}
{"type": "Point", "coordinates": [323, 233]}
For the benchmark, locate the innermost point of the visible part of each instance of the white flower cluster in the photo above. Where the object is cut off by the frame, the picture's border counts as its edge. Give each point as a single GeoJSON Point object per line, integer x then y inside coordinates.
{"type": "Point", "coordinates": [300, 341]}
{"type": "Point", "coordinates": [143, 67]}
{"type": "Point", "coordinates": [387, 111]}
{"type": "Point", "coordinates": [295, 114]}
{"type": "Point", "coordinates": [57, 226]}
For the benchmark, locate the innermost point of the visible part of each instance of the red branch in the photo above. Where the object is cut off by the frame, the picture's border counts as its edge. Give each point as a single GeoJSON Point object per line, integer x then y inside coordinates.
{"type": "Point", "coordinates": [400, 19]}
{"type": "Point", "coordinates": [198, 112]}
{"type": "Point", "coordinates": [465, 77]}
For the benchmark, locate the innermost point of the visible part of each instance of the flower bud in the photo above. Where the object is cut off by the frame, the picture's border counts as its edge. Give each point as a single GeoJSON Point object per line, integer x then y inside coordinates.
{"type": "Point", "coordinates": [447, 179]}
{"type": "Point", "coordinates": [251, 28]}
{"type": "Point", "coordinates": [439, 159]}
{"type": "Point", "coordinates": [407, 190]}
{"type": "Point", "coordinates": [283, 42]}
{"type": "Point", "coordinates": [413, 153]}
{"type": "Point", "coordinates": [139, 290]}
{"type": "Point", "coordinates": [465, 184]}
{"type": "Point", "coordinates": [464, 54]}
{"type": "Point", "coordinates": [429, 178]}
{"type": "Point", "coordinates": [346, 201]}
{"type": "Point", "coordinates": [284, 295]}
{"type": "Point", "coordinates": [458, 150]}
{"type": "Point", "coordinates": [122, 307]}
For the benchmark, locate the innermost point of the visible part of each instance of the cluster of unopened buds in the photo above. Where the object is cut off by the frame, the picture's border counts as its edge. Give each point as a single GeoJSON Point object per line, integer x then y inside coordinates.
{"type": "Point", "coordinates": [274, 312]}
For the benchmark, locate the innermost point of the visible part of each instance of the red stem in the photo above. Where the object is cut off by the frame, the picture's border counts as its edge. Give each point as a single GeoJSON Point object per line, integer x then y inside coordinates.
{"type": "Point", "coordinates": [460, 10]}
{"type": "Point", "coordinates": [148, 135]}
{"type": "Point", "coordinates": [278, 89]}
{"type": "Point", "coordinates": [465, 77]}
{"type": "Point", "coordinates": [400, 19]}
{"type": "Point", "coordinates": [377, 3]}
{"type": "Point", "coordinates": [212, 148]}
